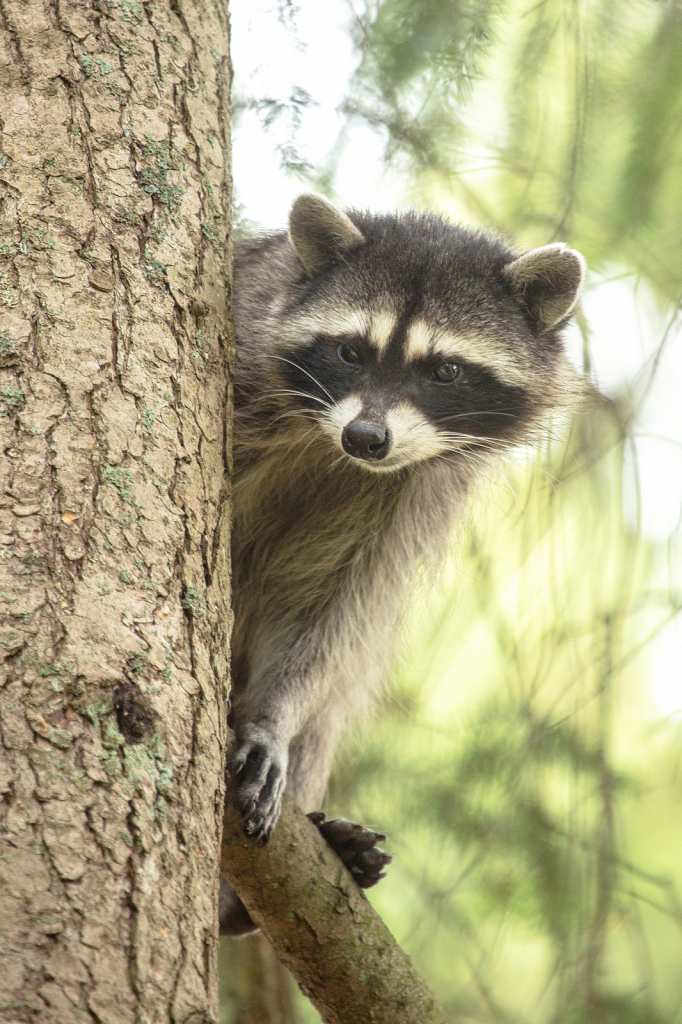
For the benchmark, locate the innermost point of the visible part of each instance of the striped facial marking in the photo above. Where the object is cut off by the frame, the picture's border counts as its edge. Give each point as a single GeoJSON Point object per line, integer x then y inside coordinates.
{"type": "Point", "coordinates": [423, 340]}
{"type": "Point", "coordinates": [382, 328]}
{"type": "Point", "coordinates": [382, 331]}
{"type": "Point", "coordinates": [375, 328]}
{"type": "Point", "coordinates": [335, 321]}
{"type": "Point", "coordinates": [419, 340]}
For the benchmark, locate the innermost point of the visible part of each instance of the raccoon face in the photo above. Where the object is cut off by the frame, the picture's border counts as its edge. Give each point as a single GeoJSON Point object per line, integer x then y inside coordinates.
{"type": "Point", "coordinates": [403, 403]}
{"type": "Point", "coordinates": [416, 340]}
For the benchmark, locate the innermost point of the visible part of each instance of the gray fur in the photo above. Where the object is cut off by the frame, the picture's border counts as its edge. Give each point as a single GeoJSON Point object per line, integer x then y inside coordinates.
{"type": "Point", "coordinates": [325, 545]}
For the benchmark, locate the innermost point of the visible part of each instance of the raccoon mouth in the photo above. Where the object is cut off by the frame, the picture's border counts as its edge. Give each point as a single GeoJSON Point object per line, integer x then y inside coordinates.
{"type": "Point", "coordinates": [366, 440]}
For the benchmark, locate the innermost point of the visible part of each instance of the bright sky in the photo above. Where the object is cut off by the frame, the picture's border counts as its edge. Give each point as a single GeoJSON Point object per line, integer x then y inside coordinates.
{"type": "Point", "coordinates": [271, 61]}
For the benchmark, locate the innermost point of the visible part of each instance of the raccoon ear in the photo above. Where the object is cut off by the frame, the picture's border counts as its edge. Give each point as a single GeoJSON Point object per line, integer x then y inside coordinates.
{"type": "Point", "coordinates": [320, 233]}
{"type": "Point", "coordinates": [547, 282]}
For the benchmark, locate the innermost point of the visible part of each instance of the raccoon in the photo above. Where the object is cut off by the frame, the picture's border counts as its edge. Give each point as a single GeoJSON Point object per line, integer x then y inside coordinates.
{"type": "Point", "coordinates": [383, 362]}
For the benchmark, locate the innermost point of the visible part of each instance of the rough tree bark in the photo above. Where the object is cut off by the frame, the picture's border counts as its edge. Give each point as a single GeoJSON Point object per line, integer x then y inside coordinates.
{"type": "Point", "coordinates": [322, 926]}
{"type": "Point", "coordinates": [114, 352]}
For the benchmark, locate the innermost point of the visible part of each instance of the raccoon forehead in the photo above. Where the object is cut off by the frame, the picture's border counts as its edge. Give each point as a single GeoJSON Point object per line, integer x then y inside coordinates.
{"type": "Point", "coordinates": [418, 339]}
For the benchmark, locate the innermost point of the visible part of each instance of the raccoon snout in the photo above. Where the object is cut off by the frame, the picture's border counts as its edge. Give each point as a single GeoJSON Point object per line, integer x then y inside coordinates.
{"type": "Point", "coordinates": [366, 440]}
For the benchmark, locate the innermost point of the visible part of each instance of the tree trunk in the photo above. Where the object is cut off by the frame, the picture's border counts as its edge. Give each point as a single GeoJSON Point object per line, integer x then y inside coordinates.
{"type": "Point", "coordinates": [115, 347]}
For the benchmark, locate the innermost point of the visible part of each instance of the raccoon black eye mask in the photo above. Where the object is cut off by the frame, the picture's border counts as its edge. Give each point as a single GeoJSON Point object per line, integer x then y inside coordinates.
{"type": "Point", "coordinates": [382, 363]}
{"type": "Point", "coordinates": [447, 395]}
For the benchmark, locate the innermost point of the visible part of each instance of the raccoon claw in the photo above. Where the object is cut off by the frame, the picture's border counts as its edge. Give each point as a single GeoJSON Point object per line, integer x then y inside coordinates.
{"type": "Point", "coordinates": [367, 867]}
{"type": "Point", "coordinates": [253, 826]}
{"type": "Point", "coordinates": [255, 830]}
{"type": "Point", "coordinates": [233, 768]}
{"type": "Point", "coordinates": [260, 778]}
{"type": "Point", "coordinates": [356, 846]}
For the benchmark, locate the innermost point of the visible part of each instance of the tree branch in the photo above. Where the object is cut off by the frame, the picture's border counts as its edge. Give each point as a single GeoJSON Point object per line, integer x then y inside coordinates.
{"type": "Point", "coordinates": [322, 926]}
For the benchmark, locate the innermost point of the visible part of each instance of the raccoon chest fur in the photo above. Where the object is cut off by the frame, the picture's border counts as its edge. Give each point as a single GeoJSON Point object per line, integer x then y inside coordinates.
{"type": "Point", "coordinates": [299, 537]}
{"type": "Point", "coordinates": [310, 551]}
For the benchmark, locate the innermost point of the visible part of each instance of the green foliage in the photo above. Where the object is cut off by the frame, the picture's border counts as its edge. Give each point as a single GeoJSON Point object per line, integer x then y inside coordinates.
{"type": "Point", "coordinates": [419, 63]}
{"type": "Point", "coordinates": [573, 133]}
{"type": "Point", "coordinates": [288, 111]}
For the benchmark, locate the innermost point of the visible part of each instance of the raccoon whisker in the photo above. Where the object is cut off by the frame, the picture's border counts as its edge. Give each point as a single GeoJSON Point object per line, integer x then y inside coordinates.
{"type": "Point", "coordinates": [297, 366]}
{"type": "Point", "coordinates": [473, 450]}
{"type": "Point", "coordinates": [455, 435]}
{"type": "Point", "coordinates": [459, 450]}
{"type": "Point", "coordinates": [481, 412]}
{"type": "Point", "coordinates": [312, 434]}
{"type": "Point", "coordinates": [297, 394]}
{"type": "Point", "coordinates": [471, 453]}
{"type": "Point", "coordinates": [449, 460]}
{"type": "Point", "coordinates": [491, 443]}
{"type": "Point", "coordinates": [472, 437]}
{"type": "Point", "coordinates": [477, 440]}
{"type": "Point", "coordinates": [294, 412]}
{"type": "Point", "coordinates": [266, 399]}
{"type": "Point", "coordinates": [473, 445]}
{"type": "Point", "coordinates": [471, 457]}
{"type": "Point", "coordinates": [336, 461]}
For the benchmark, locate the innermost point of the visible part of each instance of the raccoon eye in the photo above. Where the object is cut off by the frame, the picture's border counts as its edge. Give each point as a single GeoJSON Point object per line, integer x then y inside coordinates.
{"type": "Point", "coordinates": [349, 355]}
{"type": "Point", "coordinates": [446, 373]}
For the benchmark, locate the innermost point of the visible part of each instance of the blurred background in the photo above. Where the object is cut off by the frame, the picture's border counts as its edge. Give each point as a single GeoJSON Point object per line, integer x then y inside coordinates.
{"type": "Point", "coordinates": [527, 763]}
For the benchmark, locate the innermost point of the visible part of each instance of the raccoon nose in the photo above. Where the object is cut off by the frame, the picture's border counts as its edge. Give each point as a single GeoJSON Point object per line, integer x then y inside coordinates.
{"type": "Point", "coordinates": [366, 440]}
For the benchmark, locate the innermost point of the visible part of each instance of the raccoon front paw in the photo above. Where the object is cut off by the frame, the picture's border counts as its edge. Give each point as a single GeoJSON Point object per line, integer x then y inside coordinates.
{"type": "Point", "coordinates": [260, 770]}
{"type": "Point", "coordinates": [356, 846]}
